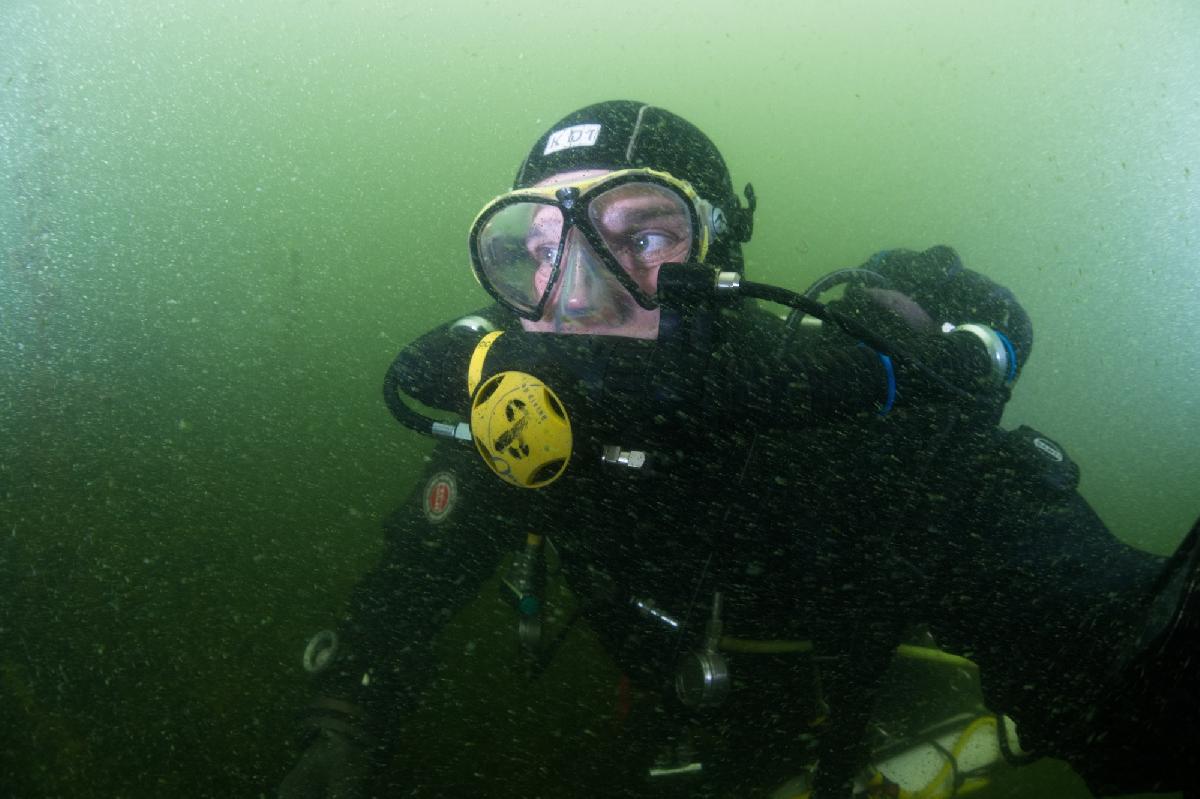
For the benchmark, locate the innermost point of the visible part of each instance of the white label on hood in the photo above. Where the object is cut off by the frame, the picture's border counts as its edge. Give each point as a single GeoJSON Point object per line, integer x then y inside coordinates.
{"type": "Point", "coordinates": [574, 136]}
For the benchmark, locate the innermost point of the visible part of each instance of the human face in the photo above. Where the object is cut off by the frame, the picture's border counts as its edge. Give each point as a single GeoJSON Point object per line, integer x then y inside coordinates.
{"type": "Point", "coordinates": [581, 254]}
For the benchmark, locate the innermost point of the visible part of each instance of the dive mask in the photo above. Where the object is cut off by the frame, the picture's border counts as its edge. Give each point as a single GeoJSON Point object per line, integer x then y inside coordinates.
{"type": "Point", "coordinates": [589, 246]}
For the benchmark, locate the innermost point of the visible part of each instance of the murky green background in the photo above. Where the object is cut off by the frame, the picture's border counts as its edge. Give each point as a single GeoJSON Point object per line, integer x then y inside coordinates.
{"type": "Point", "coordinates": [219, 220]}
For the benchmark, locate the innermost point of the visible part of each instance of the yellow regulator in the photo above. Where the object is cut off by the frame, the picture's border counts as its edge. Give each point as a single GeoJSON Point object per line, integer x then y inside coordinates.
{"type": "Point", "coordinates": [521, 429]}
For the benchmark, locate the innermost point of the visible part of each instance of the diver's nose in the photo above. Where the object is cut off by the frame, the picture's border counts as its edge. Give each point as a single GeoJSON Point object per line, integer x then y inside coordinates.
{"type": "Point", "coordinates": [578, 285]}
{"type": "Point", "coordinates": [583, 286]}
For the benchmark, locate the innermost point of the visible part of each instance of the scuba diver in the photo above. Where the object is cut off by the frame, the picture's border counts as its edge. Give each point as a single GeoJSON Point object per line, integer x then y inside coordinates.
{"type": "Point", "coordinates": [756, 497]}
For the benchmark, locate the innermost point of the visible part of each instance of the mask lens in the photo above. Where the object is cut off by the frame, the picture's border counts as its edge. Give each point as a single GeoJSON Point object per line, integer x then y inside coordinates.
{"type": "Point", "coordinates": [516, 249]}
{"type": "Point", "coordinates": [643, 226]}
{"type": "Point", "coordinates": [635, 226]}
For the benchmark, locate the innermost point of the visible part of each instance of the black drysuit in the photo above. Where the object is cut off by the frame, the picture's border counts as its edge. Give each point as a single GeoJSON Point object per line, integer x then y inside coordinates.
{"type": "Point", "coordinates": [771, 478]}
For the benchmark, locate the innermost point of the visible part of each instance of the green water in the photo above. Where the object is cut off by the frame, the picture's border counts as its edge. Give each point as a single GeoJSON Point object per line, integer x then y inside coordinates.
{"type": "Point", "coordinates": [219, 221]}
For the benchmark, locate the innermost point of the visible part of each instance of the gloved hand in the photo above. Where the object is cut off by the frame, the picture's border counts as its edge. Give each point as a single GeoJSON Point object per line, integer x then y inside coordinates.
{"type": "Point", "coordinates": [332, 767]}
{"type": "Point", "coordinates": [926, 289]}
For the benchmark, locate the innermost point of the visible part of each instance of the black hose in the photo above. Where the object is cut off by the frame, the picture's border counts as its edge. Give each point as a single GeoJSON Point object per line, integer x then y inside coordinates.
{"type": "Point", "coordinates": [405, 414]}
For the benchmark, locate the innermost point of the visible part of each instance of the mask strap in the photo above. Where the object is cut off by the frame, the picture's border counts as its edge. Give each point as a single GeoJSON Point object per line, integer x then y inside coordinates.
{"type": "Point", "coordinates": [742, 219]}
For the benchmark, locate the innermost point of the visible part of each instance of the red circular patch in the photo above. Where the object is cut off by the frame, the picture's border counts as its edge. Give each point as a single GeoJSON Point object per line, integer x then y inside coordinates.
{"type": "Point", "coordinates": [441, 493]}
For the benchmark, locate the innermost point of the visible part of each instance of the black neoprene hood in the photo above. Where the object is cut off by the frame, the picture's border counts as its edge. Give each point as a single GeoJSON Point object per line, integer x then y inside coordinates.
{"type": "Point", "coordinates": [623, 134]}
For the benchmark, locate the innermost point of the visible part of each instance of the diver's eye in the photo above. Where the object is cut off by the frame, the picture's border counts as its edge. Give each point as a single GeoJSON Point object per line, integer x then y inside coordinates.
{"type": "Point", "coordinates": [646, 245]}
{"type": "Point", "coordinates": [543, 254]}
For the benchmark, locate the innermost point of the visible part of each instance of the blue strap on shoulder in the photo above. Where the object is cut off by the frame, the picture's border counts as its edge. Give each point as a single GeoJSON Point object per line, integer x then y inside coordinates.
{"type": "Point", "coordinates": [890, 400]}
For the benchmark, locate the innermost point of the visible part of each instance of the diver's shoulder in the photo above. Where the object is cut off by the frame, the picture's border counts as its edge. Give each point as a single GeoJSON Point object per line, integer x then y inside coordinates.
{"type": "Point", "coordinates": [1035, 456]}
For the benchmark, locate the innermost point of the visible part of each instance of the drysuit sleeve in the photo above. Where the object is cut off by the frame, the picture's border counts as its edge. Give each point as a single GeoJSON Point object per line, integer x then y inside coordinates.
{"type": "Point", "coordinates": [1035, 589]}
{"type": "Point", "coordinates": [883, 347]}
{"type": "Point", "coordinates": [829, 377]}
{"type": "Point", "coordinates": [441, 544]}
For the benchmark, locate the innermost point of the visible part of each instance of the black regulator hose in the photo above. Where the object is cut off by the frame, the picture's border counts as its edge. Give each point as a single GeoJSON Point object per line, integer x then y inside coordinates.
{"type": "Point", "coordinates": [429, 371]}
{"type": "Point", "coordinates": [404, 414]}
{"type": "Point", "coordinates": [809, 306]}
